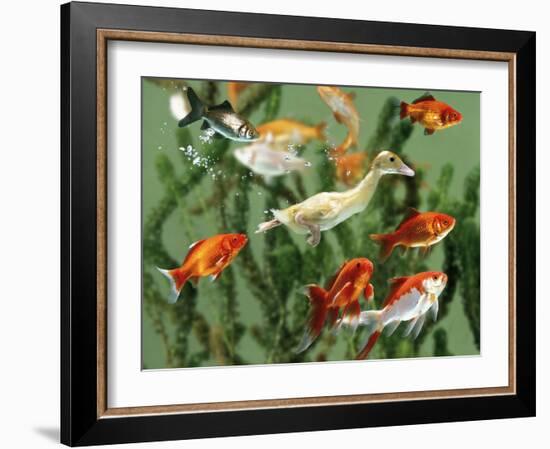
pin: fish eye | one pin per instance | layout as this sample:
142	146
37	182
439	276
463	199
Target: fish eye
435	278
392	159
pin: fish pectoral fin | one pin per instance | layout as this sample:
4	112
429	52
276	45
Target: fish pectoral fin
418	326
342	294
428	131
410	327
222	260
434	309
215	275
391	327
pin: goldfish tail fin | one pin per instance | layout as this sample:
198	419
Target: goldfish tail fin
321	129
403	110
371	320
317	316
177	280
197	109
387	244
341	149
364	353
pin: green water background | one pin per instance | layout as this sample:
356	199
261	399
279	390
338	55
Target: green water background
459	145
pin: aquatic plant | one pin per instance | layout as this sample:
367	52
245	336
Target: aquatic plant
216	188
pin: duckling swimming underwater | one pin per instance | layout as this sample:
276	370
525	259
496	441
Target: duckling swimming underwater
325	210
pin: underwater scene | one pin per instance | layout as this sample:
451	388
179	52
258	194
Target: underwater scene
287	223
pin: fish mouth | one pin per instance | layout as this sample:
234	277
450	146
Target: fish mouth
405	170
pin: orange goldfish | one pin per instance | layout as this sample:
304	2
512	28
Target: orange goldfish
410	298
289	131
341	105
341	294
430	113
207	257
234	89
417	230
350	168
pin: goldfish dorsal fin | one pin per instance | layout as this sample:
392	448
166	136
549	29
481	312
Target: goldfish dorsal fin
225	106
332	280
395	284
397	281
193	247
426	97
410	213
198	242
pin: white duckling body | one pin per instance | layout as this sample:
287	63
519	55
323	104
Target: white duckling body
326	210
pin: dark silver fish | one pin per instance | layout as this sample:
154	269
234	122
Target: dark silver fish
221	118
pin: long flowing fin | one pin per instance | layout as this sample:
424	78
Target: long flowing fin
177	279
390	328
317	316
371	320
410	327
418	326
434	309
197	109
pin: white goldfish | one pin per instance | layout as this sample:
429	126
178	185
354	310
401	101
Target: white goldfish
269	159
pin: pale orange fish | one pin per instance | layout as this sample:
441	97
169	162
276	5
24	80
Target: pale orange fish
350	168
417	230
342	106
410	299
341	295
207	257
289	131
433	115
234	89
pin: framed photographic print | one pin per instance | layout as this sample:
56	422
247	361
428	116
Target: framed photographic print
277	224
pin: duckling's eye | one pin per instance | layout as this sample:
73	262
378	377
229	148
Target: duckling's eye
392	159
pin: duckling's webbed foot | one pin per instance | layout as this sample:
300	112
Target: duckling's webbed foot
314	230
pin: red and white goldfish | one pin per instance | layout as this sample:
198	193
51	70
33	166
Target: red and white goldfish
417	230
289	131
341	105
207	257
340	296
430	113
350	168
234	89
410	299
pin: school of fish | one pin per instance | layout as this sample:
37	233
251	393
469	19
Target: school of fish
269	152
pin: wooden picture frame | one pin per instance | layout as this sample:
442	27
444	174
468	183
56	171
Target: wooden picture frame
85	416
